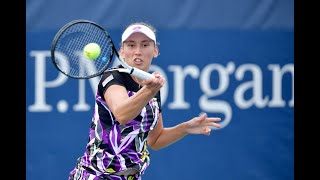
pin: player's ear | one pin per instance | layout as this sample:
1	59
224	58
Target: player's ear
121	52
156	52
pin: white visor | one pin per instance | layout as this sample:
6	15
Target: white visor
141	29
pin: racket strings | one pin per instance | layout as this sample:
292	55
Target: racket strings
69	50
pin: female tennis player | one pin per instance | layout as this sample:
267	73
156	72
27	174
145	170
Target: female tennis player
127	116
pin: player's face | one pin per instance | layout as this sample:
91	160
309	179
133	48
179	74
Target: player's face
138	51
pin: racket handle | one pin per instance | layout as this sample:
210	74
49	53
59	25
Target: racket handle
141	74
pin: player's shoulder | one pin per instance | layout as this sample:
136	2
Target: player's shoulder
114	71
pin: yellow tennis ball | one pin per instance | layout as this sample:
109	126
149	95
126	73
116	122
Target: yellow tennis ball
91	51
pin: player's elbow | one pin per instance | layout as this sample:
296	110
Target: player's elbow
123	116
122	119
153	146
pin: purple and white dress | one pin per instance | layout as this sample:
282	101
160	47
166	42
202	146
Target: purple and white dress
111	147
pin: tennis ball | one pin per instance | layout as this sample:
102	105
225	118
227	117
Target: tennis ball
91	51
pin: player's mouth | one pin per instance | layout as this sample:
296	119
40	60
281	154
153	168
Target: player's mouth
138	61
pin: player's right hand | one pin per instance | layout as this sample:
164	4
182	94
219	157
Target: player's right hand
154	84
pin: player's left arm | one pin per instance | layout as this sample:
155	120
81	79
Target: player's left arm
161	137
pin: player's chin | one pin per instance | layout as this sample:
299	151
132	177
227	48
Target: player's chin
142	67
138	64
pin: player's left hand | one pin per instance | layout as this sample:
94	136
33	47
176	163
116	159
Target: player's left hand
202	124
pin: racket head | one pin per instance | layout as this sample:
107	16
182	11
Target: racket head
67	49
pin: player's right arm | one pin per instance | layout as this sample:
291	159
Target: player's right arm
126	108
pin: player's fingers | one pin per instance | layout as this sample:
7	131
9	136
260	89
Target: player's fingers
213	119
154	84
202	118
212	124
207	131
146	82
156	74
159	81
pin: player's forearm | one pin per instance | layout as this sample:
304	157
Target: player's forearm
131	107
169	136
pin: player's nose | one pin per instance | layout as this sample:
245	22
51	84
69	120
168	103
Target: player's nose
138	50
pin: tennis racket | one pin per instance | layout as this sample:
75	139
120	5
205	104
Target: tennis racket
67	51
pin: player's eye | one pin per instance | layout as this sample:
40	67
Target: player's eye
131	45
146	44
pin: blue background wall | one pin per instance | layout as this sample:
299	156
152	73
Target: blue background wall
238	61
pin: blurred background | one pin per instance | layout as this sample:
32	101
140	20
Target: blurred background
230	59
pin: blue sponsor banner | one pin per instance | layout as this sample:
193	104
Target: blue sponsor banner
244	77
